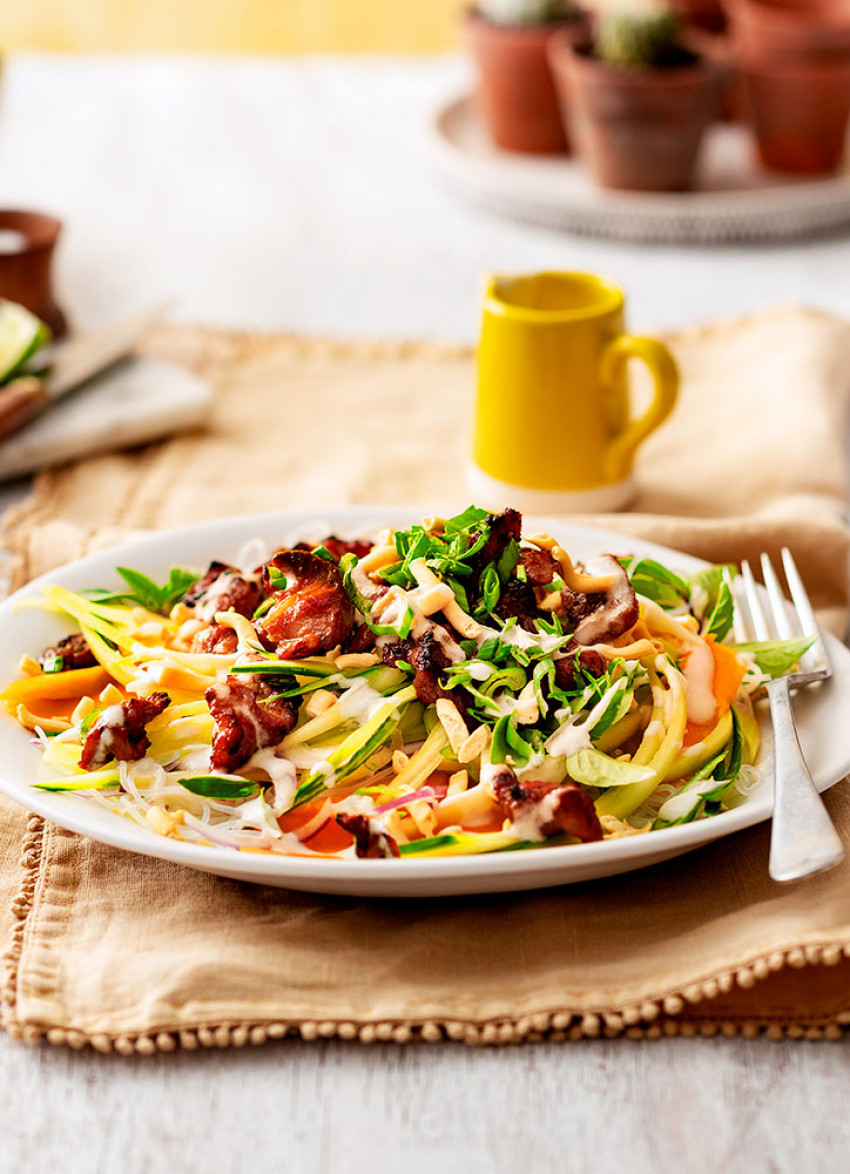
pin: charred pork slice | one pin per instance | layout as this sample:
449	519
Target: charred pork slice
538	810
223	588
428	660
73	652
519	601
120	733
337	547
310	612
372	841
246	720
503	528
215	639
602	616
565	666
540	568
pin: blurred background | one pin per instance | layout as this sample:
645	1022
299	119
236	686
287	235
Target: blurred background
269	164
237	26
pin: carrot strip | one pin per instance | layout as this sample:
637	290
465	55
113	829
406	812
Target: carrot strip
74	683
728	673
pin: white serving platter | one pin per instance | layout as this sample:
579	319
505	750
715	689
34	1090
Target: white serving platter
821	712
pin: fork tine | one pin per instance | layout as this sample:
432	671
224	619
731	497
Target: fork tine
805	611
778	605
760	624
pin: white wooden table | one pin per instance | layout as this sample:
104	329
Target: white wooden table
282	194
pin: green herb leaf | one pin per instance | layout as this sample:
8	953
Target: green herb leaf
508	742
145	592
507	560
654	581
720	619
143	589
710	581
346	565
219	786
471	516
277	579
776	657
491	587
460	594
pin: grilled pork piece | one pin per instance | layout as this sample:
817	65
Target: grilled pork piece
73	651
119	731
246	720
602	616
372	841
223	588
538	810
216	638
311	612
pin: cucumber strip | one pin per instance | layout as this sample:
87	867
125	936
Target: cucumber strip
96	780
467	844
357	747
281	668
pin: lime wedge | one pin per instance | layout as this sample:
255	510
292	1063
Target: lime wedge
21	335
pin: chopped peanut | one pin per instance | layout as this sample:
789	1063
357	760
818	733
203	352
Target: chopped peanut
356	660
458	782
476	805
318	702
180	613
452	723
431	599
395	822
50	725
29	667
423	816
380	556
400	761
475	744
163	822
82	710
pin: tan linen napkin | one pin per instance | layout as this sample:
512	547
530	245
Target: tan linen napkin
135	954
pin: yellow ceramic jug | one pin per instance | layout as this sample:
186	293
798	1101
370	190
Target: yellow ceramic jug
553	429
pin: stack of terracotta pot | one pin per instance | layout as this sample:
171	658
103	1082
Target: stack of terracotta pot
794	59
541	86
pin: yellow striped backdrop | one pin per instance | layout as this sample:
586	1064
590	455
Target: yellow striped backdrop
248	26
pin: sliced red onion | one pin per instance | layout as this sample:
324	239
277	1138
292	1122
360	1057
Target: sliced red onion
402	800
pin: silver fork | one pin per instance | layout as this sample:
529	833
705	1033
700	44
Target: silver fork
803	839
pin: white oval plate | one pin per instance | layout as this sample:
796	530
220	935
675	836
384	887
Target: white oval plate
821	715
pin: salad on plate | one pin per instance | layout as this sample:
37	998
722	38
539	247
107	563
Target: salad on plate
452	688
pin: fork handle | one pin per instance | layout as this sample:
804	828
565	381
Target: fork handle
803	839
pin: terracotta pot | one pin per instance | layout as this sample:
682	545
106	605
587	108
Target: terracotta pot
640	129
718	47
799	113
516	93
701	14
791	30
25	275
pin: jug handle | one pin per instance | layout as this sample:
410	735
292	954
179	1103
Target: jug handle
665	378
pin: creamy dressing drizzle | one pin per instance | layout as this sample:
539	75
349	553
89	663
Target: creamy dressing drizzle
568	740
359	700
281	771
698	670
